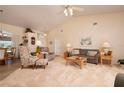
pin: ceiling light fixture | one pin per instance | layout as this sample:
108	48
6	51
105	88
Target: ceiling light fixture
68	11
45	34
71	11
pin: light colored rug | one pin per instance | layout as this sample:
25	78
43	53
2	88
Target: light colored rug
58	74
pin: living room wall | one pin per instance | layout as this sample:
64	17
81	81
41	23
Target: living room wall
100	28
17	33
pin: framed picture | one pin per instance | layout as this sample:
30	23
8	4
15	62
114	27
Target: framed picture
86	41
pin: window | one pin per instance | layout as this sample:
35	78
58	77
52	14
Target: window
5	40
6	44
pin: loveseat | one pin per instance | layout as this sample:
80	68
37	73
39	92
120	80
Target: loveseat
92	55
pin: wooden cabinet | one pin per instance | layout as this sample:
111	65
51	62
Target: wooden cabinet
31	41
106	58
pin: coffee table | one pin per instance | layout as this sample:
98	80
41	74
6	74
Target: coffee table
78	60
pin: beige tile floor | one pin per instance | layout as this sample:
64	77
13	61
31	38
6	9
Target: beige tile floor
57	74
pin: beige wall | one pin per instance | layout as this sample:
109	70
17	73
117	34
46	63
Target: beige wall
17	33
110	28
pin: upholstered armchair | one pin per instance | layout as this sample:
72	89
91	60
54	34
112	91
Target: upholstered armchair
43	60
26	57
12	55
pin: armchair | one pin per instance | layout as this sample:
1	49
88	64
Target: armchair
43	60
12	55
26	58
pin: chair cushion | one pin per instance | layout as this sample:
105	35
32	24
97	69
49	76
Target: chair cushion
40	55
44	49
41	61
83	52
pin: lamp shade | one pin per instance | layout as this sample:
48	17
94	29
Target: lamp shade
38	43
68	45
106	45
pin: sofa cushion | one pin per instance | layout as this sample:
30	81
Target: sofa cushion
91	53
83	52
44	49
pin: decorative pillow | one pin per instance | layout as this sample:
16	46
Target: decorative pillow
75	51
41	55
92	53
44	49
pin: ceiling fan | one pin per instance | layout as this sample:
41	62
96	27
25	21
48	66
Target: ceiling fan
69	10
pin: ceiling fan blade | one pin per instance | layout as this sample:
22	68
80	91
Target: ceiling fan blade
78	9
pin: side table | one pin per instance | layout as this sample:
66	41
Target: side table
107	58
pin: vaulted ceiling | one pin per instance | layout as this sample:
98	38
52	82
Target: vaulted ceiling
46	17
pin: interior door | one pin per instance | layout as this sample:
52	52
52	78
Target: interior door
58	48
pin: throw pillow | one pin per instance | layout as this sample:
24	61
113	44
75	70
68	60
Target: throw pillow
92	53
41	55
75	51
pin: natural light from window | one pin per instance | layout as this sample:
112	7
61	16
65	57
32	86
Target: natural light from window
4	42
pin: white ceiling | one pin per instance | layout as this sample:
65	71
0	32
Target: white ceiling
46	17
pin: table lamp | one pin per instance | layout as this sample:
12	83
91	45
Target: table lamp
68	45
106	47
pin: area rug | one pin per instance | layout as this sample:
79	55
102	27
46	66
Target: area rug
57	74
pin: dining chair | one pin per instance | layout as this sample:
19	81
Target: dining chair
12	55
26	58
3	55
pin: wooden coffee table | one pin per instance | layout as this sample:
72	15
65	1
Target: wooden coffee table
78	60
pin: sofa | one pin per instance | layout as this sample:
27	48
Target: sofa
92	55
51	55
